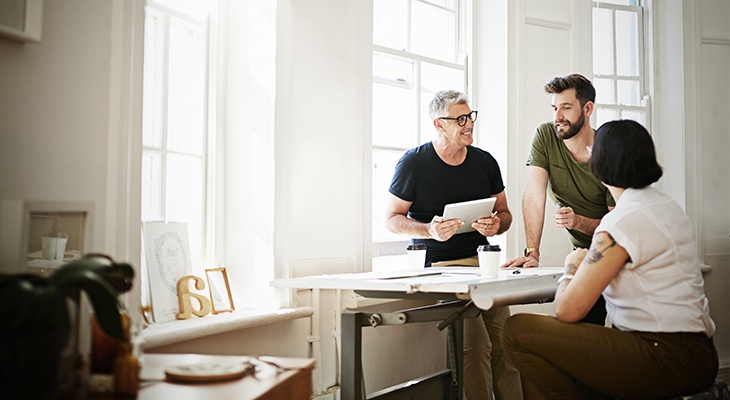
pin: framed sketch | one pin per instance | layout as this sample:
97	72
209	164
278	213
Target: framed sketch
220	290
21	19
167	259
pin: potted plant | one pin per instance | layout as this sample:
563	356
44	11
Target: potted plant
40	324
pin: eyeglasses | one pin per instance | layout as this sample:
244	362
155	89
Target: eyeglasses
461	119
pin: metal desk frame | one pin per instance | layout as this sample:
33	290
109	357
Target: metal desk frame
455	287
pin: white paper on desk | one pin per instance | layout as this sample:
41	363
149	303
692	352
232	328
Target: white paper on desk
432	271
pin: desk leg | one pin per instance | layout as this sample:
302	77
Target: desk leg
352	385
455	351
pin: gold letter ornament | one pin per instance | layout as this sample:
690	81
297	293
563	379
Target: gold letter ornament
184	298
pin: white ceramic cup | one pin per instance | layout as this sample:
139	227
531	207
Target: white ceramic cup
416	256
488	260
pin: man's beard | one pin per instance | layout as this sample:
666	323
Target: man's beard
573	128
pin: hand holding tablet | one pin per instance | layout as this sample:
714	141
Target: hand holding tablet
469	211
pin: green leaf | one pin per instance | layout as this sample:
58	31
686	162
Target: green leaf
29	302
102	295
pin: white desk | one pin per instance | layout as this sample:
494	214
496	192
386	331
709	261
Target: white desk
442	283
453	286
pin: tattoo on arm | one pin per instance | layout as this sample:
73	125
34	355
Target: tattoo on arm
596	254
571	268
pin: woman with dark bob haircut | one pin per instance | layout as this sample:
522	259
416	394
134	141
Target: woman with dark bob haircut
643	259
623	155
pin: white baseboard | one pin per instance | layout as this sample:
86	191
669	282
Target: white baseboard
332	393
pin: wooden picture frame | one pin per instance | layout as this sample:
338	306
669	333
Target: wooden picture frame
220	290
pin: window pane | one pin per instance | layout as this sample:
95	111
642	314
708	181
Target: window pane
389	23
186	97
152	98
152	186
184	198
392	69
621	2
393	116
435	78
602	42
628	93
604	91
638	116
426	127
627	51
433	32
605	114
384	162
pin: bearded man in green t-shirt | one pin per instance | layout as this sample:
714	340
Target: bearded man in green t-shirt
558	165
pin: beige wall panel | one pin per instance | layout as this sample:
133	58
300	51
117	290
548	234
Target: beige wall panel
547	55
558	11
715	17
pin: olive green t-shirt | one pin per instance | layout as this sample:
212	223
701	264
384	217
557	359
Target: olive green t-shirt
570	183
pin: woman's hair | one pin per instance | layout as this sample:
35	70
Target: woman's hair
584	90
623	155
439	106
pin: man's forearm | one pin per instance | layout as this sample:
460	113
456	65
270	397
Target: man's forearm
402	225
534	216
585	224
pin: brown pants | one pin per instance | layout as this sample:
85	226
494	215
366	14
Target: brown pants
585	361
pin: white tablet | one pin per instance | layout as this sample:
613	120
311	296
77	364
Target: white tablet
469	211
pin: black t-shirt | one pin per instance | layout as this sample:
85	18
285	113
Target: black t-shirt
422	178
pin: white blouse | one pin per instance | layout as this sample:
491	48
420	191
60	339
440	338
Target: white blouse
661	289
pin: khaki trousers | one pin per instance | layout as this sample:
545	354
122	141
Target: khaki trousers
487	370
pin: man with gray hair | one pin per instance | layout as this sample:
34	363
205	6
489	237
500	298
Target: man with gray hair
450	170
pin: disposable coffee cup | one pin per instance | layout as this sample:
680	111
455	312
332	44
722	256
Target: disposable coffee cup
416	256
488	255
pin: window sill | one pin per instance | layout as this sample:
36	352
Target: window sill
165	333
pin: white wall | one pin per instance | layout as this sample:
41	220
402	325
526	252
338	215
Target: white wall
709	171
70	110
54	117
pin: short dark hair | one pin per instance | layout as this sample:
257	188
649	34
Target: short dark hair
584	90
623	155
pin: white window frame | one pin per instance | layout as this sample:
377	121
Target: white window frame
642	77
206	246
396	246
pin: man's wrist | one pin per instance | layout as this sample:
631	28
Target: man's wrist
529	250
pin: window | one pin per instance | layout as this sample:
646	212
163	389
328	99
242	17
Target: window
618	61
419	48
176	178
